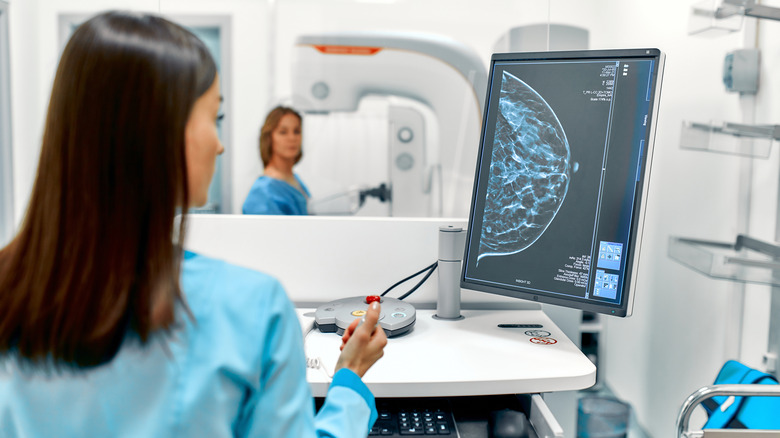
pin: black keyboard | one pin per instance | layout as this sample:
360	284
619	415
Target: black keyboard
413	416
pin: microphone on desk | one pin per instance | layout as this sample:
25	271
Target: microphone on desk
451	245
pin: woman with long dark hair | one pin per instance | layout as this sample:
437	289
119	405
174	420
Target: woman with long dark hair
107	326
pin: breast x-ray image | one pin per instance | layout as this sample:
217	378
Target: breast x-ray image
529	172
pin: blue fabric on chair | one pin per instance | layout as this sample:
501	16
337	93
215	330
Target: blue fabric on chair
731	412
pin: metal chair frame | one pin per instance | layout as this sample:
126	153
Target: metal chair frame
708	392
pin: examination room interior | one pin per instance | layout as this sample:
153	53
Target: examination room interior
685	324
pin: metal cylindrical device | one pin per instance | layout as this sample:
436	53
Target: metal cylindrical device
451	245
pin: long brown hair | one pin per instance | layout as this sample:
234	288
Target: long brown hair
271	122
95	254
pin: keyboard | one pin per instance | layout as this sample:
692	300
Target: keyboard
413	416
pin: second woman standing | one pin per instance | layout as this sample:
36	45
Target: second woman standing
279	190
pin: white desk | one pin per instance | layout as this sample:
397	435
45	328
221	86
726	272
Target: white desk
318	259
472	356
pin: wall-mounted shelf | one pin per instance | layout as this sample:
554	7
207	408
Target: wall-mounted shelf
747	260
730	138
749	8
705	20
713	17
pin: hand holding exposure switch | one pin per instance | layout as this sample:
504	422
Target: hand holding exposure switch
363	343
396	318
356	322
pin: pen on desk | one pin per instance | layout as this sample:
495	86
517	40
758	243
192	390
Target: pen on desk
520	325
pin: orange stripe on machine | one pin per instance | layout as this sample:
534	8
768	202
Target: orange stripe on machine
346	50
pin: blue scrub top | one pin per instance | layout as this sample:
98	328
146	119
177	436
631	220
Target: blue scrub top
273	196
237	370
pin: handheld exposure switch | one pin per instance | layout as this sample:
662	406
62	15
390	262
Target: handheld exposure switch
396	317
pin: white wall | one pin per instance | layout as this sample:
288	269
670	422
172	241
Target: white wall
684	324
767	177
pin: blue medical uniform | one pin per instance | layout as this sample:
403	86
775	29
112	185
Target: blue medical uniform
274	196
237	370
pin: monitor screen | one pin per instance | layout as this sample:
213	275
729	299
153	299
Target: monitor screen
561	180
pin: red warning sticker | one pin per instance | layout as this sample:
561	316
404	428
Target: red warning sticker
543	341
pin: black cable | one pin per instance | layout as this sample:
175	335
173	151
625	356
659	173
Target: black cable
432	266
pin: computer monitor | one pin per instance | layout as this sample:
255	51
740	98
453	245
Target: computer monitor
562	175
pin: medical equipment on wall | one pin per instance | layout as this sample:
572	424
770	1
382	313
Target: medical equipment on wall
433	125
349	201
741	70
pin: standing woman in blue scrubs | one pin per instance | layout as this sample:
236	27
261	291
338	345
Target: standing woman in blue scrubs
279	190
107	326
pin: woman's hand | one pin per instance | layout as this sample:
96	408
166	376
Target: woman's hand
362	344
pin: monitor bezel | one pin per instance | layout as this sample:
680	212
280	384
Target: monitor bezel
625	308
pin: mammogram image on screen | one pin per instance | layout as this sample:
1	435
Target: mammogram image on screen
529	172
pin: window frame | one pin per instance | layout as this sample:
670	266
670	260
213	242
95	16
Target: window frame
6	146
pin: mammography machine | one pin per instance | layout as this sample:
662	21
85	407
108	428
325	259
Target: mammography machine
438	88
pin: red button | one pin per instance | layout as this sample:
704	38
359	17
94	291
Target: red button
371	298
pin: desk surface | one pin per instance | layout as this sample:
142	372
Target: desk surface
471	356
